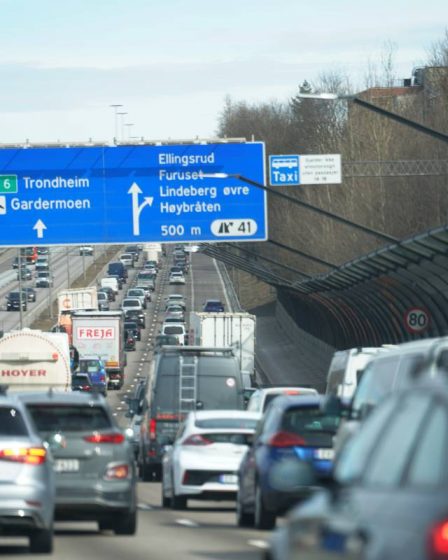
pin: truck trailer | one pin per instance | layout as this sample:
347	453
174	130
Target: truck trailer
101	333
34	360
234	330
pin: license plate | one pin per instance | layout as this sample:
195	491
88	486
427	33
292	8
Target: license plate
325	454
66	465
228	479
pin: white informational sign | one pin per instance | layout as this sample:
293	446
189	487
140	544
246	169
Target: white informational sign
320	169
416	320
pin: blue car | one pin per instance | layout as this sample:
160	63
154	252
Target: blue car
213	306
96	370
292	431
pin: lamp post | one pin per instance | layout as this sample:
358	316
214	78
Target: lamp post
115	107
293	200
376	109
122	114
129	126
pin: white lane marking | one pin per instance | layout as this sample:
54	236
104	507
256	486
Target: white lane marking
223	285
128	391
119	408
187	523
114	413
144	507
259	544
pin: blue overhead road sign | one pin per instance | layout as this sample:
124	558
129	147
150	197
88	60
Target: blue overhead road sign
58	196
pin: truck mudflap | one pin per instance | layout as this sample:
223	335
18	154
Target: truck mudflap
115	379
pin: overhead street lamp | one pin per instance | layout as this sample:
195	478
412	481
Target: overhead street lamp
129	125
376	109
293	200
122	114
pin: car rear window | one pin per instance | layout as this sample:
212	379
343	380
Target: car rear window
236	438
271	396
11	422
69	418
226	423
173	329
309	422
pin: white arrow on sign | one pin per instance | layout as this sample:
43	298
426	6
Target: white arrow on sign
135	190
39	226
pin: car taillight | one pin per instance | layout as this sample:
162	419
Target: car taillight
114	438
196	439
102	378
27	455
86	388
285	439
117	472
152	428
438	541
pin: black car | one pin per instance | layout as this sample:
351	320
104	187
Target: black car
135	315
165	340
81	382
388	497
109	292
13	301
30	294
134	328
117	268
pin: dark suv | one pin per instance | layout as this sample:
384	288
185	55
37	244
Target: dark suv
13	301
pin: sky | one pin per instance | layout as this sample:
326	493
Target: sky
171	63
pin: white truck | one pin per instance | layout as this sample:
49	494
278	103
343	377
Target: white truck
78	298
101	333
235	330
33	360
152	252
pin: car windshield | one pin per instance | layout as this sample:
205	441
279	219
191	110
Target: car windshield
69	418
11	422
90	366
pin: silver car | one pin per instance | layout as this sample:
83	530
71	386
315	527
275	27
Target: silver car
27	490
94	461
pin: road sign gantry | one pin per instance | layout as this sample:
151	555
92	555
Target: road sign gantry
135	193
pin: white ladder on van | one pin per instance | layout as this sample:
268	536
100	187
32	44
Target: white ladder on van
187	386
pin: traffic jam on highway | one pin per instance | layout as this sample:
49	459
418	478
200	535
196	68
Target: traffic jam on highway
141	413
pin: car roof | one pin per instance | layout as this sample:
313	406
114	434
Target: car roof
298	401
208	414
56	397
282	390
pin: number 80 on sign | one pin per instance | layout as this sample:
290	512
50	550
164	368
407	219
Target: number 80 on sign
416	320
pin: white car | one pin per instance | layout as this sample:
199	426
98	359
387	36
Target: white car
86	250
204	459
260	398
177	278
178	299
131	303
127	259
138	293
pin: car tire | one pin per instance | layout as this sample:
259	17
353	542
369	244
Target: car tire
166	502
178	503
243	519
264	519
126	524
41	541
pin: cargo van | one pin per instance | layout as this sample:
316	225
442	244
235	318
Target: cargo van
185	378
109	282
394	369
346	368
118	268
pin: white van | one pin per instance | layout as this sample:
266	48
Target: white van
345	370
175	329
110	283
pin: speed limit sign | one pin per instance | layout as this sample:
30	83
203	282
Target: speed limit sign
416	320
